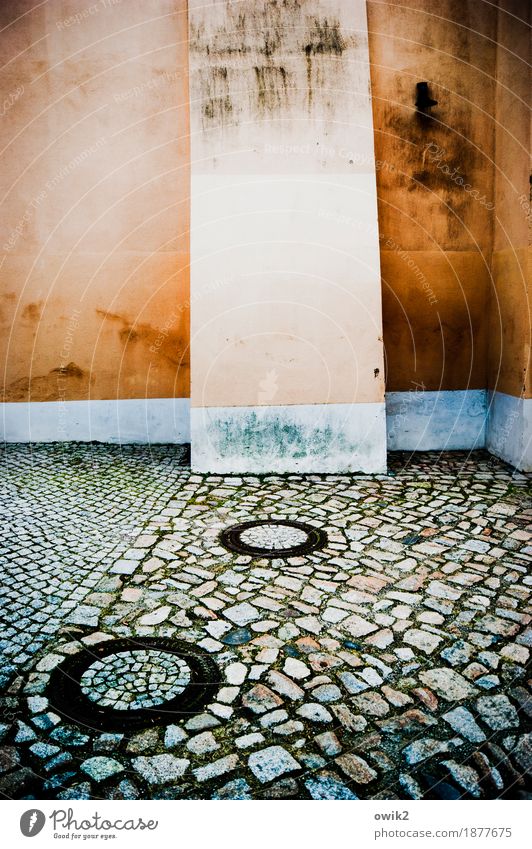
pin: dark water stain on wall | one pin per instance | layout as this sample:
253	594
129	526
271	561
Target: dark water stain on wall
324	37
428	153
277	36
172	345
272	87
61	383
217	105
32	312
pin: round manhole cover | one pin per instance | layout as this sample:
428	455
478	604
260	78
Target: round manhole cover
132	683
273	538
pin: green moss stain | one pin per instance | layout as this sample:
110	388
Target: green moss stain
269	437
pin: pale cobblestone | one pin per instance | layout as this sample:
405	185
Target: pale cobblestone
414	620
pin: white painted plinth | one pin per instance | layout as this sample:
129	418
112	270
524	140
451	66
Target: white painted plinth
299	438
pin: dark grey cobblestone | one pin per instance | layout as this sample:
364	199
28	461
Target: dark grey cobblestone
394	663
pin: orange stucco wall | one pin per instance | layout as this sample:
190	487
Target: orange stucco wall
435	187
94	198
94	188
510	326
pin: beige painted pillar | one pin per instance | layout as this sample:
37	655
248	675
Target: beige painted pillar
286	329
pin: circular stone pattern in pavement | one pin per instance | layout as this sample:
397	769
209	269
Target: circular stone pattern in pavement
129	680
131	683
273	538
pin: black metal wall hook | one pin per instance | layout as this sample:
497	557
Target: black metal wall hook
423	99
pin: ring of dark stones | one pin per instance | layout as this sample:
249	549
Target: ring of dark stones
66	697
231	538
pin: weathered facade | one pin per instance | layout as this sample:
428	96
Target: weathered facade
287	355
454	219
305	308
95	223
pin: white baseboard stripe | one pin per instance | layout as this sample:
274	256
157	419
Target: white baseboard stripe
509	434
143	420
310	438
436	421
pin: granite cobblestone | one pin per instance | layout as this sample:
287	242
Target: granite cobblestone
393	663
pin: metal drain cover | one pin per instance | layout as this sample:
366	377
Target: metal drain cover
132	683
273	538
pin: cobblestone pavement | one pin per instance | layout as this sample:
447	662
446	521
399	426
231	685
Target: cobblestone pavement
391	663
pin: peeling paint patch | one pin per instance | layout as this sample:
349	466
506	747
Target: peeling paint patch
172	345
59	382
128	334
217	105
70	370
